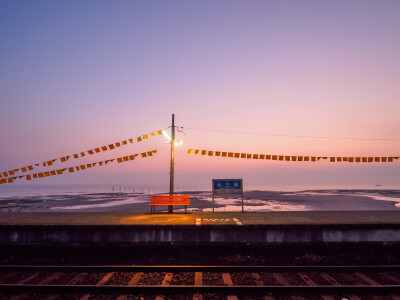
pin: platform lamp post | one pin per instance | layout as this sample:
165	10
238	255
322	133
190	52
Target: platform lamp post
171	173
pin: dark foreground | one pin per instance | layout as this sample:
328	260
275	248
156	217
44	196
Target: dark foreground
239	272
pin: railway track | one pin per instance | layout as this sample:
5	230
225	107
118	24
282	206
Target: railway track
200	282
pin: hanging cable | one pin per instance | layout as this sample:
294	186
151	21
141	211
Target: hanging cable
293	136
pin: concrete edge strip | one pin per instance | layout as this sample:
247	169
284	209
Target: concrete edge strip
237	221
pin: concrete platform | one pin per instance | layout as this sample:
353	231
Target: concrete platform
223	227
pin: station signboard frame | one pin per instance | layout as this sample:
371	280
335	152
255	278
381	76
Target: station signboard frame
227	187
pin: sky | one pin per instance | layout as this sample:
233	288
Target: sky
80	74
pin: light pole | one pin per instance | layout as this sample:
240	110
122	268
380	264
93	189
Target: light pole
171	173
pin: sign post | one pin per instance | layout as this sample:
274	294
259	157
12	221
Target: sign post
227	186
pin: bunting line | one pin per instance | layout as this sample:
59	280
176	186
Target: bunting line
369	159
78	168
49	163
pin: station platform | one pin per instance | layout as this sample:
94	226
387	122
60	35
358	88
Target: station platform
80	228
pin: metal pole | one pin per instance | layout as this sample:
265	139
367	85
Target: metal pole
171	174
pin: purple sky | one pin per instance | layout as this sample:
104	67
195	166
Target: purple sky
80	74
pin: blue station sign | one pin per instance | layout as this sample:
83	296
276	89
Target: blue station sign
227	186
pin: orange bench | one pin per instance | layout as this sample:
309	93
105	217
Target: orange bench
169	200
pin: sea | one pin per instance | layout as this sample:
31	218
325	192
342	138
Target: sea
122	197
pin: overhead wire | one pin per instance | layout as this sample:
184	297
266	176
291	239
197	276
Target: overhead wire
293	136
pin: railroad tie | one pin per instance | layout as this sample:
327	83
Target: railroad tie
311	282
373	282
134	281
166	281
198	281
259	282
228	281
25	280
101	282
283	281
74	280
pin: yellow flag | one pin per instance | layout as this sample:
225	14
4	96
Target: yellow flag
313	158
149	153
118	144
287	158
71	170
76	156
332	159
24	169
210	153
243	155
59	172
230	154
53	173
28	177
364	159
390	159
10	180
255	156
144	154
91	152
124	142
111	146
237	155
131	141
11	172
63	159
104	148
190	151
88	166
131	157
306	158
97	150
35	175
339	159
370	159
119	160
300	158
384	159
358	159
82	154
47	174
262	156
351	159
294	158
126	158
274	157
100	163
224	154
83	167
139	139
159	132
248	156
217	153
153	134
281	157
145	136
197	151
268	157
203	152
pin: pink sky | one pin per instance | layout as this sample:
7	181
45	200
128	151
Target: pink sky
78	75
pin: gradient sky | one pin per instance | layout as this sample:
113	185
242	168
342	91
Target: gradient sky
79	74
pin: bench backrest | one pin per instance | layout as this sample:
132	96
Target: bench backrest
170	200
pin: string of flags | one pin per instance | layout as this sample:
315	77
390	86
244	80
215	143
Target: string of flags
363	159
80	154
78	168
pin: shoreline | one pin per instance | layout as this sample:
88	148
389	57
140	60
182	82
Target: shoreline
256	200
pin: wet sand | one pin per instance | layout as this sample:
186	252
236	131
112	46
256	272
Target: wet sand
316	200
